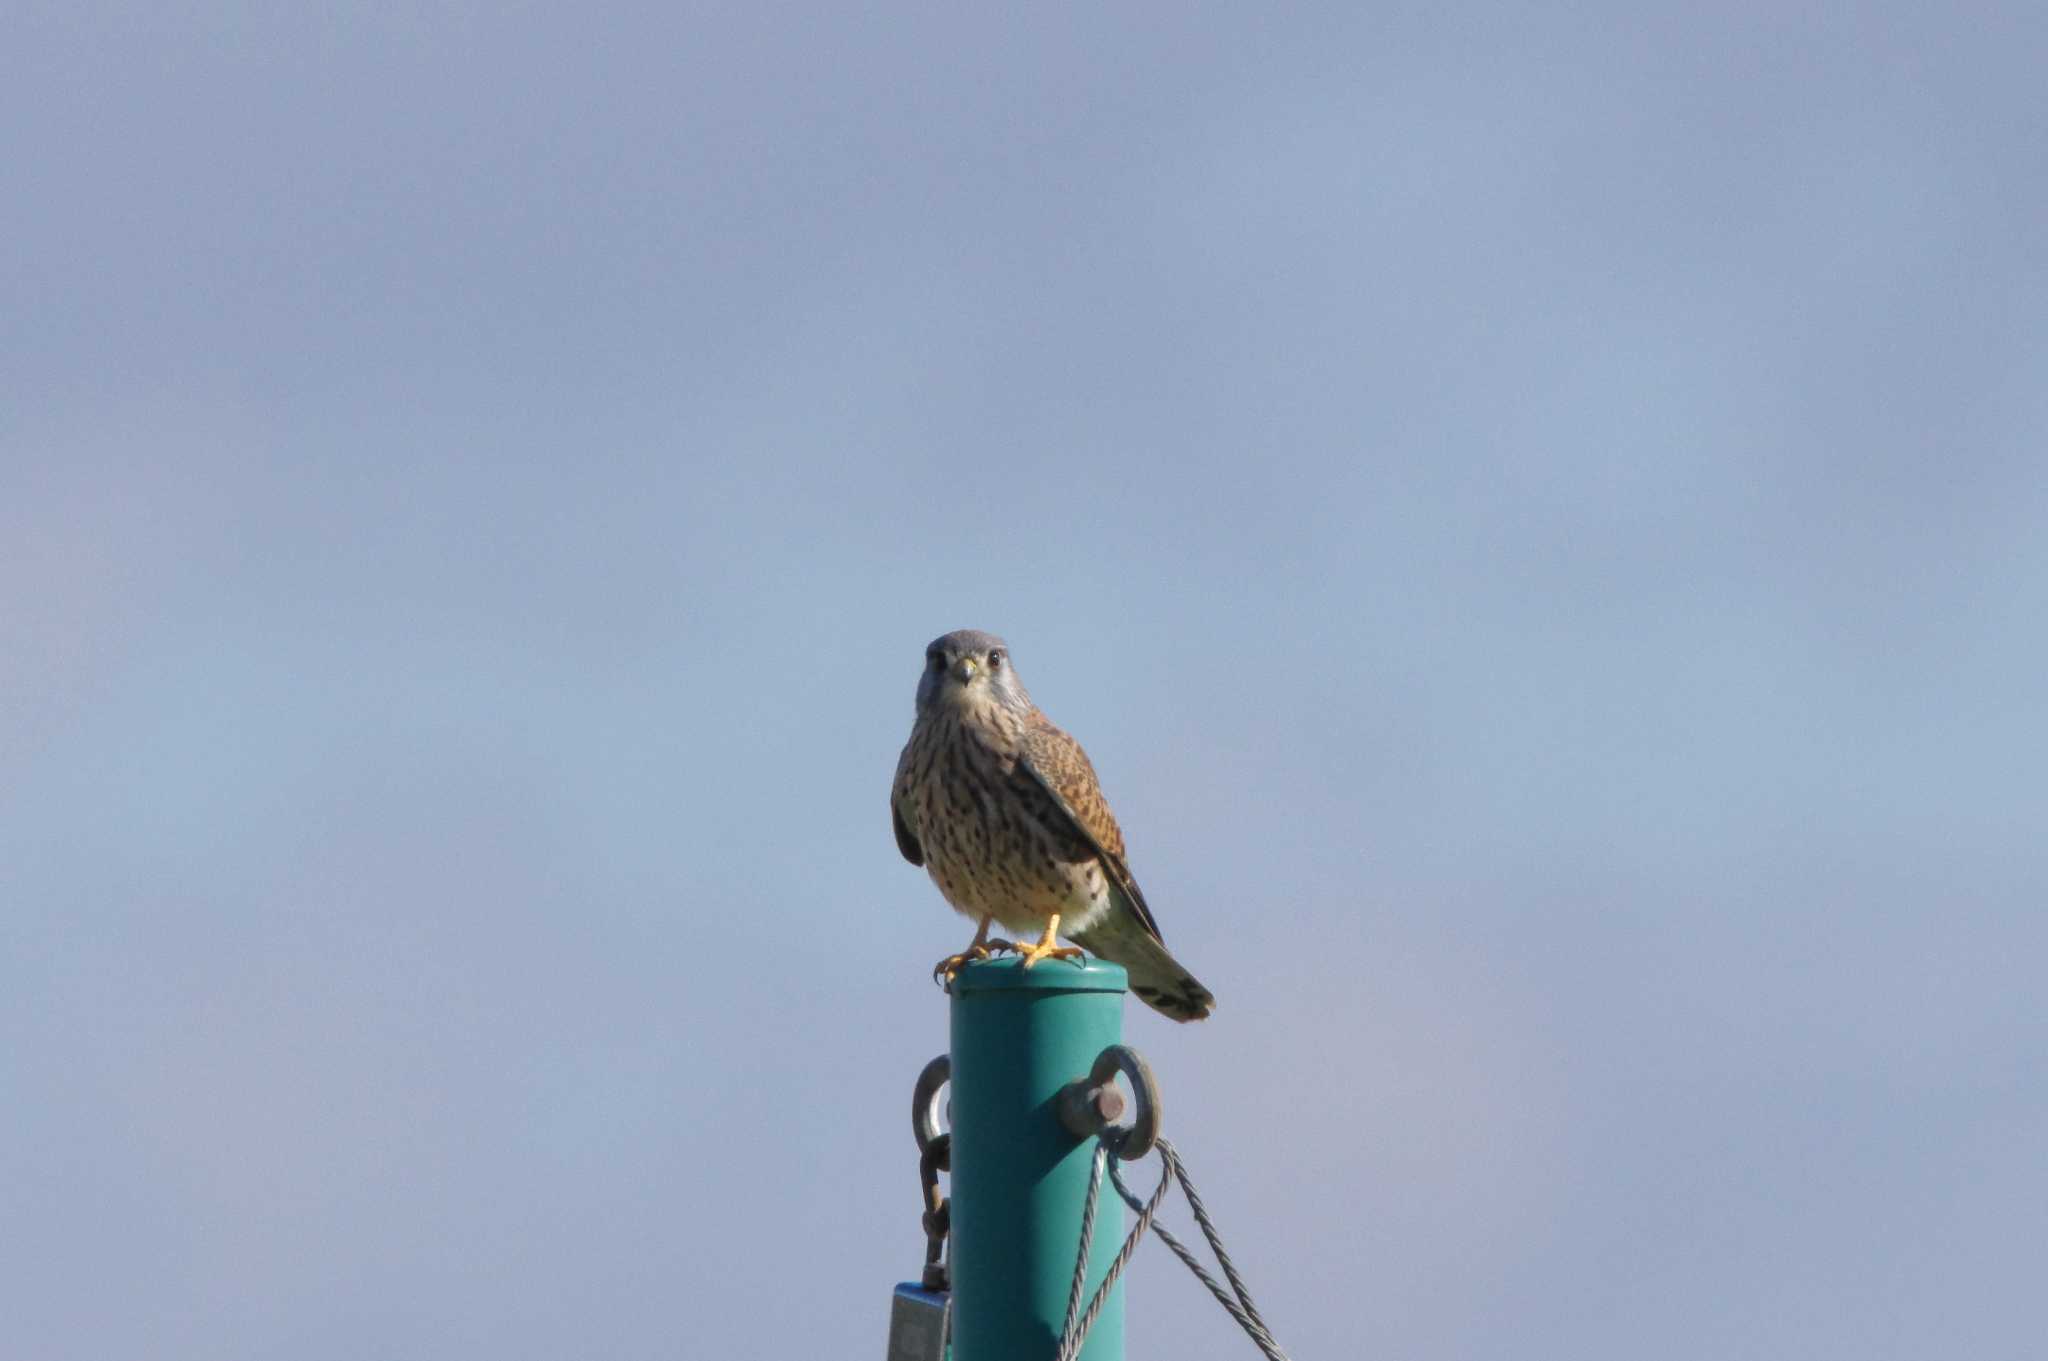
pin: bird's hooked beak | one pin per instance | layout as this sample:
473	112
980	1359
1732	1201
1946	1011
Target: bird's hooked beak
964	669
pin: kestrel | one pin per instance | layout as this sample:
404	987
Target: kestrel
1003	811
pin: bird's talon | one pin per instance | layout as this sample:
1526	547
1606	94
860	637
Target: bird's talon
946	969
1035	953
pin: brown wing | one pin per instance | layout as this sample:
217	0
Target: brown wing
1056	764
906	840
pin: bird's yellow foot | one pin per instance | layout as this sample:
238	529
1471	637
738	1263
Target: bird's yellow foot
945	969
1049	948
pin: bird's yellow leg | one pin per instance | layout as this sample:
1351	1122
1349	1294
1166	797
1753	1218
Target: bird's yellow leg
981	947
1050	947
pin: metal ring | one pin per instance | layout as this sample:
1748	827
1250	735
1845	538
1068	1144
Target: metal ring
924	1101
1136	1141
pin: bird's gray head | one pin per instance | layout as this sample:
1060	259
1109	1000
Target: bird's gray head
968	668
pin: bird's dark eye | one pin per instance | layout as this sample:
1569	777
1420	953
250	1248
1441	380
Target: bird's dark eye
937	661
995	659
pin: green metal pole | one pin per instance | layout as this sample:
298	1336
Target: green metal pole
1018	1177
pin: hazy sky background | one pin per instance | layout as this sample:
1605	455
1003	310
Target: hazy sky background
1540	517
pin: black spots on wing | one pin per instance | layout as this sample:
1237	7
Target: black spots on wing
1055	829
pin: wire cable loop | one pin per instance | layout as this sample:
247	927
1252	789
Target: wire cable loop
1079	1321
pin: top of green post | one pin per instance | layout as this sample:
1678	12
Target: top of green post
1008	974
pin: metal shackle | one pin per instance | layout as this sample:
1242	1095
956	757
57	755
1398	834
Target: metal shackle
1092	1105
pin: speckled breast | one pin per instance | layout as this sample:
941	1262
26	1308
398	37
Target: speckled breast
991	850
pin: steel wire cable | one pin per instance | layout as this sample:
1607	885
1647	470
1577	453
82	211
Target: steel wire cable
1172	1169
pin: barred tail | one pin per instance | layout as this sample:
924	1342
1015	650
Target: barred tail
1156	976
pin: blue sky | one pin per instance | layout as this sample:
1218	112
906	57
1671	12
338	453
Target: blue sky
1538	516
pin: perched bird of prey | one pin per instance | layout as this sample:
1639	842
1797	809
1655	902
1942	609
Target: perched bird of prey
1002	809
